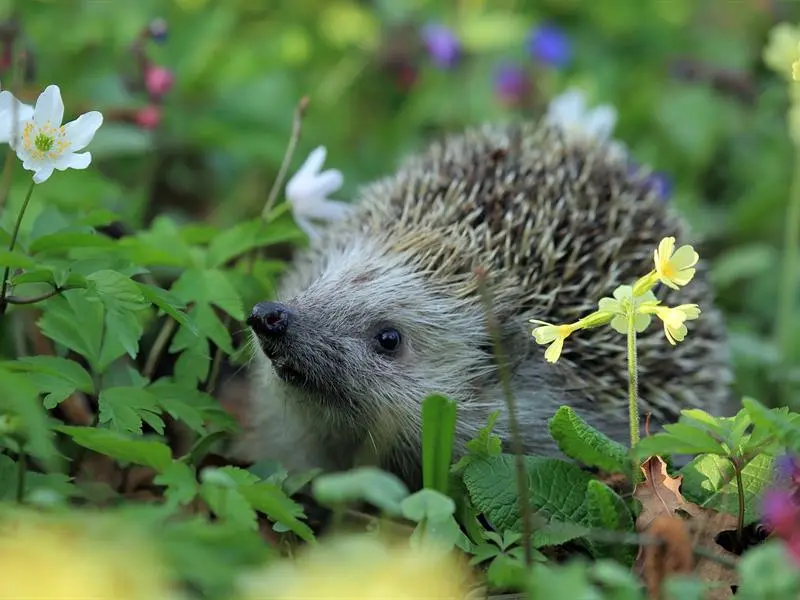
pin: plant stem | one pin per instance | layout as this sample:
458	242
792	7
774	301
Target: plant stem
41	297
784	327
740	490
516	439
158	347
12	243
633	380
287	157
22	467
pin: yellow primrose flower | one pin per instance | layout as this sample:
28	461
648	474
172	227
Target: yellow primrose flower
781	49
50	557
674	319
674	267
620	304
361	566
553	335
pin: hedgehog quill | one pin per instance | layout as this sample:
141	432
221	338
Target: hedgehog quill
384	308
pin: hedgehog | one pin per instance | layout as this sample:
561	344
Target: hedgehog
385	308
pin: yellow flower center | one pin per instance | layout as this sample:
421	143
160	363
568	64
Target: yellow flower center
668	269
43	142
564	330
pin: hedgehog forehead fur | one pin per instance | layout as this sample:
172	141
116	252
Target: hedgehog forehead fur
557	223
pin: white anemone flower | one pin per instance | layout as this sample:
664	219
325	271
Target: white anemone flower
11	108
308	192
569	112
44	144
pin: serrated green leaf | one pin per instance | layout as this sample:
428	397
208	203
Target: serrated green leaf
53	368
557	490
120	446
679	438
710	481
170	304
608	511
181	483
19	397
582	442
379	488
556	533
193	365
273	502
209	287
438	433
125	408
228	504
117	291
784	425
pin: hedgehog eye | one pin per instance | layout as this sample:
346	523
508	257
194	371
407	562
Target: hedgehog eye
388	341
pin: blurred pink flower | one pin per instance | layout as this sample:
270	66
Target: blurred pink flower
158	81
149	117
781	512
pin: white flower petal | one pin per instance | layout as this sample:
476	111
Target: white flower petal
306	226
567	109
10	107
49	107
326	183
43	174
72	161
599	122
328	210
80	132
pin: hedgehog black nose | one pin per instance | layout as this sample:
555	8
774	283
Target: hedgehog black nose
269	318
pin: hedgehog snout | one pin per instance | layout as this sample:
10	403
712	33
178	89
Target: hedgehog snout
270	320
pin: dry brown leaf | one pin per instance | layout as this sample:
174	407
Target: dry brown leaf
675	556
661	498
659	493
703	529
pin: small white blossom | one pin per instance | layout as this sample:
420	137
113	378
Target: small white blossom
308	191
44	144
569	112
10	108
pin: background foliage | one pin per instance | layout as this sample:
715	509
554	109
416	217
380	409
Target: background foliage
188	174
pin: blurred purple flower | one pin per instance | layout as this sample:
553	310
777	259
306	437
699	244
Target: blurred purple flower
550	45
781	512
510	82
158	30
787	468
661	183
442	45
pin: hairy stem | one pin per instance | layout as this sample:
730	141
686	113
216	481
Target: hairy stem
160	343
633	380
784	326
516	439
11	245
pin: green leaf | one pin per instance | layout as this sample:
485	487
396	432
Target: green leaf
193	364
427	504
169	303
709	481
679	438
556	533
244	237
557	490
64	242
16	260
121	447
784	425
53	376
19	397
438	433
209	287
766	571
579	440
203	446
181	483
220	490
273	502
125	408
608	511
379	488
117	291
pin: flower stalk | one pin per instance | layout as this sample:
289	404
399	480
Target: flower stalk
11	245
633	379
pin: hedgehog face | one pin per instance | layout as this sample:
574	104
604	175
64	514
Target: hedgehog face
368	335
